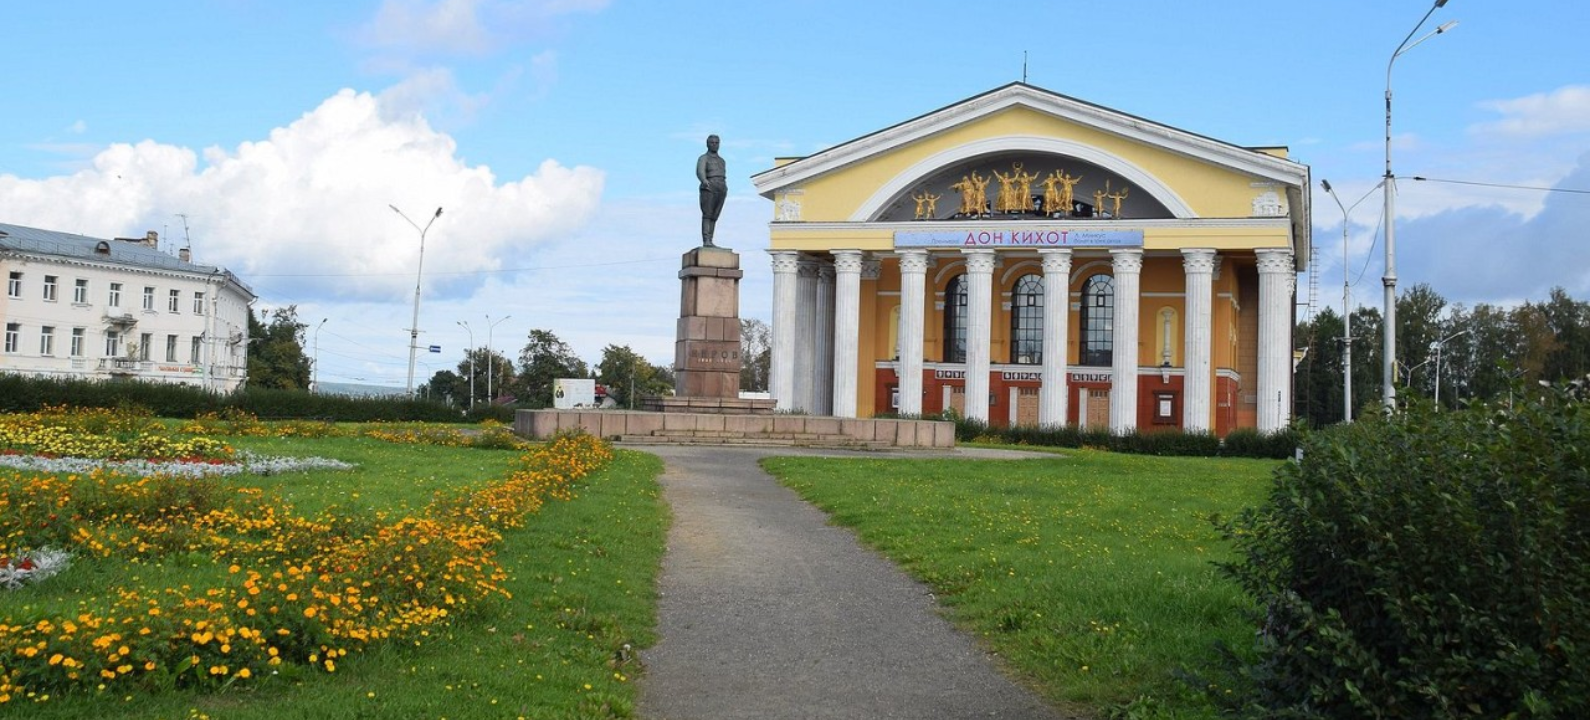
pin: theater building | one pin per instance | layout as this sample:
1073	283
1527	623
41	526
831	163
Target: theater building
1028	258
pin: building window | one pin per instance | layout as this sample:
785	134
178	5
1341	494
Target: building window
198	303
77	342
49	287
47	340
198	345
1098	319
173	301
171	348
13	336
1026	321
144	341
112	343
115	295
14	285
80	292
149	298
955	320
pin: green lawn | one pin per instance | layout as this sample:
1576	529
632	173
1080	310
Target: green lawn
1090	572
583	583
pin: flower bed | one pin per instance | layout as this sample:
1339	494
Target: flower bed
299	592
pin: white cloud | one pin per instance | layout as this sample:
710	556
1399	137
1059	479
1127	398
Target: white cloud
77	128
1563	111
304	213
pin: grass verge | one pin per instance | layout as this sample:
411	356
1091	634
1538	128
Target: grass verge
582	577
1090	573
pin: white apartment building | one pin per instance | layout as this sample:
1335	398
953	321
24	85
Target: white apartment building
77	306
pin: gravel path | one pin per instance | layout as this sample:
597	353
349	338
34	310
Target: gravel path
768	612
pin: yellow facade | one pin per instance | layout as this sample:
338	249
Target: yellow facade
1180	195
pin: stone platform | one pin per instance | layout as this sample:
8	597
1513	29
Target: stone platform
636	427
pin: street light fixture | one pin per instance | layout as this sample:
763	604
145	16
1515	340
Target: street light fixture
414	326
1438	346
471	332
316	379
1347	309
491	363
1388	360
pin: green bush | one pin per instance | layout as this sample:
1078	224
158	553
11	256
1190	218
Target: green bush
19	393
1430	565
1248	442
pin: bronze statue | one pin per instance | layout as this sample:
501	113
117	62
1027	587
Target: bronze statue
713	174
926	205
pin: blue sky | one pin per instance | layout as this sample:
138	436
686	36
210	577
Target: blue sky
560	137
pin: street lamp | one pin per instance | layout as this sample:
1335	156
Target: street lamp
316	379
1388	359
1347	310
471	332
491	363
1438	346
414	326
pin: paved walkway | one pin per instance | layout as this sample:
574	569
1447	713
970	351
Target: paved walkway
768	612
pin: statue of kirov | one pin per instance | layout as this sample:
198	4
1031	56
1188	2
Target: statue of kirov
712	172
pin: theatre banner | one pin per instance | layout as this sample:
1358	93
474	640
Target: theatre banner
1024	237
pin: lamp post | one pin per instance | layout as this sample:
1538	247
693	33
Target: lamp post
1347	309
491	363
1388	360
1438	346
414	326
471	332
315	379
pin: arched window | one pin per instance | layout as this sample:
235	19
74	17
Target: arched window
955	320
1026	321
1098	319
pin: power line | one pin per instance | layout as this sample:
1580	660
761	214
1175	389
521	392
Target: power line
1504	185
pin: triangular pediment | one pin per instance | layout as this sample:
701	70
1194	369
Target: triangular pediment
1260	165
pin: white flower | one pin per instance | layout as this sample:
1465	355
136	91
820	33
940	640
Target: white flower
33	566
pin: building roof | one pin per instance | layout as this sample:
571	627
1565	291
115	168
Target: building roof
36	241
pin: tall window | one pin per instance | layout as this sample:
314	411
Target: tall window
144	341
47	340
112	343
198	303
14	285
197	349
13	336
1098	318
171	348
149	297
77	341
80	292
1026	321
49	287
955	320
115	295
173	301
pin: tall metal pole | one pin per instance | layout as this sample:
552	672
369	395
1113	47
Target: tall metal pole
471	332
1347	310
1440	346
316	379
491	362
1388	361
414	326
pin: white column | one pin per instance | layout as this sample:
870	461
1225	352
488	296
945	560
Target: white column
823	350
979	329
913	316
1128	267
782	381
1053	395
847	331
1276	278
1197	390
805	334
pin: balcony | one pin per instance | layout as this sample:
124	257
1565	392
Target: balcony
122	366
117	318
